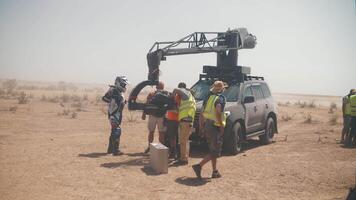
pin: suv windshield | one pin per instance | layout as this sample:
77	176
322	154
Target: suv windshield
202	88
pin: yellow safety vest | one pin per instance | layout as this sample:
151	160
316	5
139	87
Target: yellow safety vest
187	108
210	110
353	105
347	106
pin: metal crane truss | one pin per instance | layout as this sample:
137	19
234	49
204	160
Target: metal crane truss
224	44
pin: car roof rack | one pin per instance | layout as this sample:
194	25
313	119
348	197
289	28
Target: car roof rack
250	78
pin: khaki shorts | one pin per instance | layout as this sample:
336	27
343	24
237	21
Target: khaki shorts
213	138
156	121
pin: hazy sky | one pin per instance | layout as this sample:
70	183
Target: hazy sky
303	46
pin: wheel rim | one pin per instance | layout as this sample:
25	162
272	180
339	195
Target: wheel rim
238	140
270	130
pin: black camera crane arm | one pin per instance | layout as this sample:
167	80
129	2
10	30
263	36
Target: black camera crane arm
225	44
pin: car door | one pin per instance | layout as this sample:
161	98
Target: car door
260	110
250	110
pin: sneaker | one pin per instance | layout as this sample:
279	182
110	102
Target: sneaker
181	162
197	170
216	174
147	150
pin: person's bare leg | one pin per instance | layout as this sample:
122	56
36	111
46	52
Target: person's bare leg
150	137
214	160
206	159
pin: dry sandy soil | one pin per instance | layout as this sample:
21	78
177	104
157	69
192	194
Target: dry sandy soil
47	154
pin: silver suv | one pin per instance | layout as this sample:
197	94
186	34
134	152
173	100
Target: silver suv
250	108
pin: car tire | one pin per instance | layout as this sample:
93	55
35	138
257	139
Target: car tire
235	140
267	137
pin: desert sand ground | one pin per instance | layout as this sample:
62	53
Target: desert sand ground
47	152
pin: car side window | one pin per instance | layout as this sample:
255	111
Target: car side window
257	91
247	92
265	90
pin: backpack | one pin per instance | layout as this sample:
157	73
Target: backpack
163	100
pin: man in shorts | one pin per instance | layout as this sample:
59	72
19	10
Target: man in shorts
213	121
156	119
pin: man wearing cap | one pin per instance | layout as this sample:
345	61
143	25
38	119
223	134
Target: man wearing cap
186	113
213	120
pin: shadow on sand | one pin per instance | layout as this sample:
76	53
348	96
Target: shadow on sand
199	151
149	171
189	181
133	162
93	155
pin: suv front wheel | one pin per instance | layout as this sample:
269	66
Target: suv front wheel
234	141
269	132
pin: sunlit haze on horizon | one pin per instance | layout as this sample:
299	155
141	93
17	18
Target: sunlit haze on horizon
302	46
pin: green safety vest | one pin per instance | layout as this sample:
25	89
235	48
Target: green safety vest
353	105
187	108
347	106
210	110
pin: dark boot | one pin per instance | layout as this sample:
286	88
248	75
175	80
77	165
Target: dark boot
116	151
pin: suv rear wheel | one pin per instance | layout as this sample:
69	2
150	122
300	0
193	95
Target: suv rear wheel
269	132
234	142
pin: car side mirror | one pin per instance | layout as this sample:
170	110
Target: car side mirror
249	99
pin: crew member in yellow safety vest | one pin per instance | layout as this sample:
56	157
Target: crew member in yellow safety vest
186	113
352	138
212	122
346	111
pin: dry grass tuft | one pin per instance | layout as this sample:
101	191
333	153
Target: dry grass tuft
332	108
74	115
333	120
286	117
13	109
132	117
308	119
23	98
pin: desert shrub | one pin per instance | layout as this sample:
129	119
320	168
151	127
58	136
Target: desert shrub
301	104
64	112
43	98
311	104
132	117
27	87
75	97
54	99
333	120
50	87
286	117
13	109
74	115
104	110
23	98
98	98
65	98
333	105
78	105
9	85
2	92
85	97
308	119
